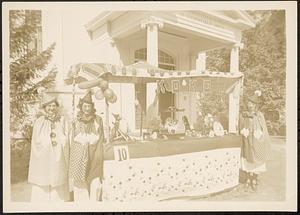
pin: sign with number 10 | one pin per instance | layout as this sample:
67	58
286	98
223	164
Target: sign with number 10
121	153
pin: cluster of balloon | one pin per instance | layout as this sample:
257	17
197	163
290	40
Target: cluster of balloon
103	92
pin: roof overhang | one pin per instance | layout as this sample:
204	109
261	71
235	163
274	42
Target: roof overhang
209	24
103	17
242	22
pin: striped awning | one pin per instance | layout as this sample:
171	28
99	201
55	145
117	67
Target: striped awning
137	72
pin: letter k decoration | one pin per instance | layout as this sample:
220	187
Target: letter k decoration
161	86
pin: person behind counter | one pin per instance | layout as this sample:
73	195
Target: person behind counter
218	128
86	155
212	126
256	141
49	154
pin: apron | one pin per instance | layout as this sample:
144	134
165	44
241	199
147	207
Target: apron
256	146
86	155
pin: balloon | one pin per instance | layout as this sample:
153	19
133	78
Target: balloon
103	84
99	94
89	84
108	93
113	99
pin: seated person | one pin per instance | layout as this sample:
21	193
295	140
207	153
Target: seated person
218	128
213	126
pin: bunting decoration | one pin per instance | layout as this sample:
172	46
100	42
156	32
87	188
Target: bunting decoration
168	80
145	70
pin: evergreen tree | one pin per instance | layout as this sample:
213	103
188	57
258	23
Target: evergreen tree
28	63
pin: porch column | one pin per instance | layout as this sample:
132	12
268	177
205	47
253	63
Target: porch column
234	96
152	25
201	62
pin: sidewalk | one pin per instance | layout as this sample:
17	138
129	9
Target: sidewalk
271	183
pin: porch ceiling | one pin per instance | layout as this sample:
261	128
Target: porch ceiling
172	35
197	43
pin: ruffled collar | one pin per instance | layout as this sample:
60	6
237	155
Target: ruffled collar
54	118
248	114
85	118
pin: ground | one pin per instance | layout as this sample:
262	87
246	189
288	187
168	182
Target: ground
271	183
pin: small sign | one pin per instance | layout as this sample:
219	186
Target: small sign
175	85
192	85
121	153
206	85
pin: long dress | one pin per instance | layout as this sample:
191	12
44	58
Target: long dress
256	143
49	159
86	159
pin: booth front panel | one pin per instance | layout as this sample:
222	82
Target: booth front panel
158	170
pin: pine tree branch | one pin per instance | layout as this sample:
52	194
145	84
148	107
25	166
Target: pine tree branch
32	63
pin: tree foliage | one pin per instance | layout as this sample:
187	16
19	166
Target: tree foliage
215	103
263	62
27	66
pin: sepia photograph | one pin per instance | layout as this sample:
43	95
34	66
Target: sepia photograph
149	106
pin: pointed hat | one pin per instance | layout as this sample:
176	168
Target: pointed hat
87	98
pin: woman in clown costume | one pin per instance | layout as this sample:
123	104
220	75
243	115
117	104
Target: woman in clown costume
48	166
86	154
256	141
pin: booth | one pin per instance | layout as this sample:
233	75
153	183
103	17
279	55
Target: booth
158	169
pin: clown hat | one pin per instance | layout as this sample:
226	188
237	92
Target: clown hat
48	98
255	98
86	99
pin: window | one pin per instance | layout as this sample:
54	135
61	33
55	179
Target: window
140	55
165	61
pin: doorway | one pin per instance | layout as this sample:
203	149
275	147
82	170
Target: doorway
165	100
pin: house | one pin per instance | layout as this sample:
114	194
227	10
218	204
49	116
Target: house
172	40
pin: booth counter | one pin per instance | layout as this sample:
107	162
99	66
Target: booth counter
161	169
